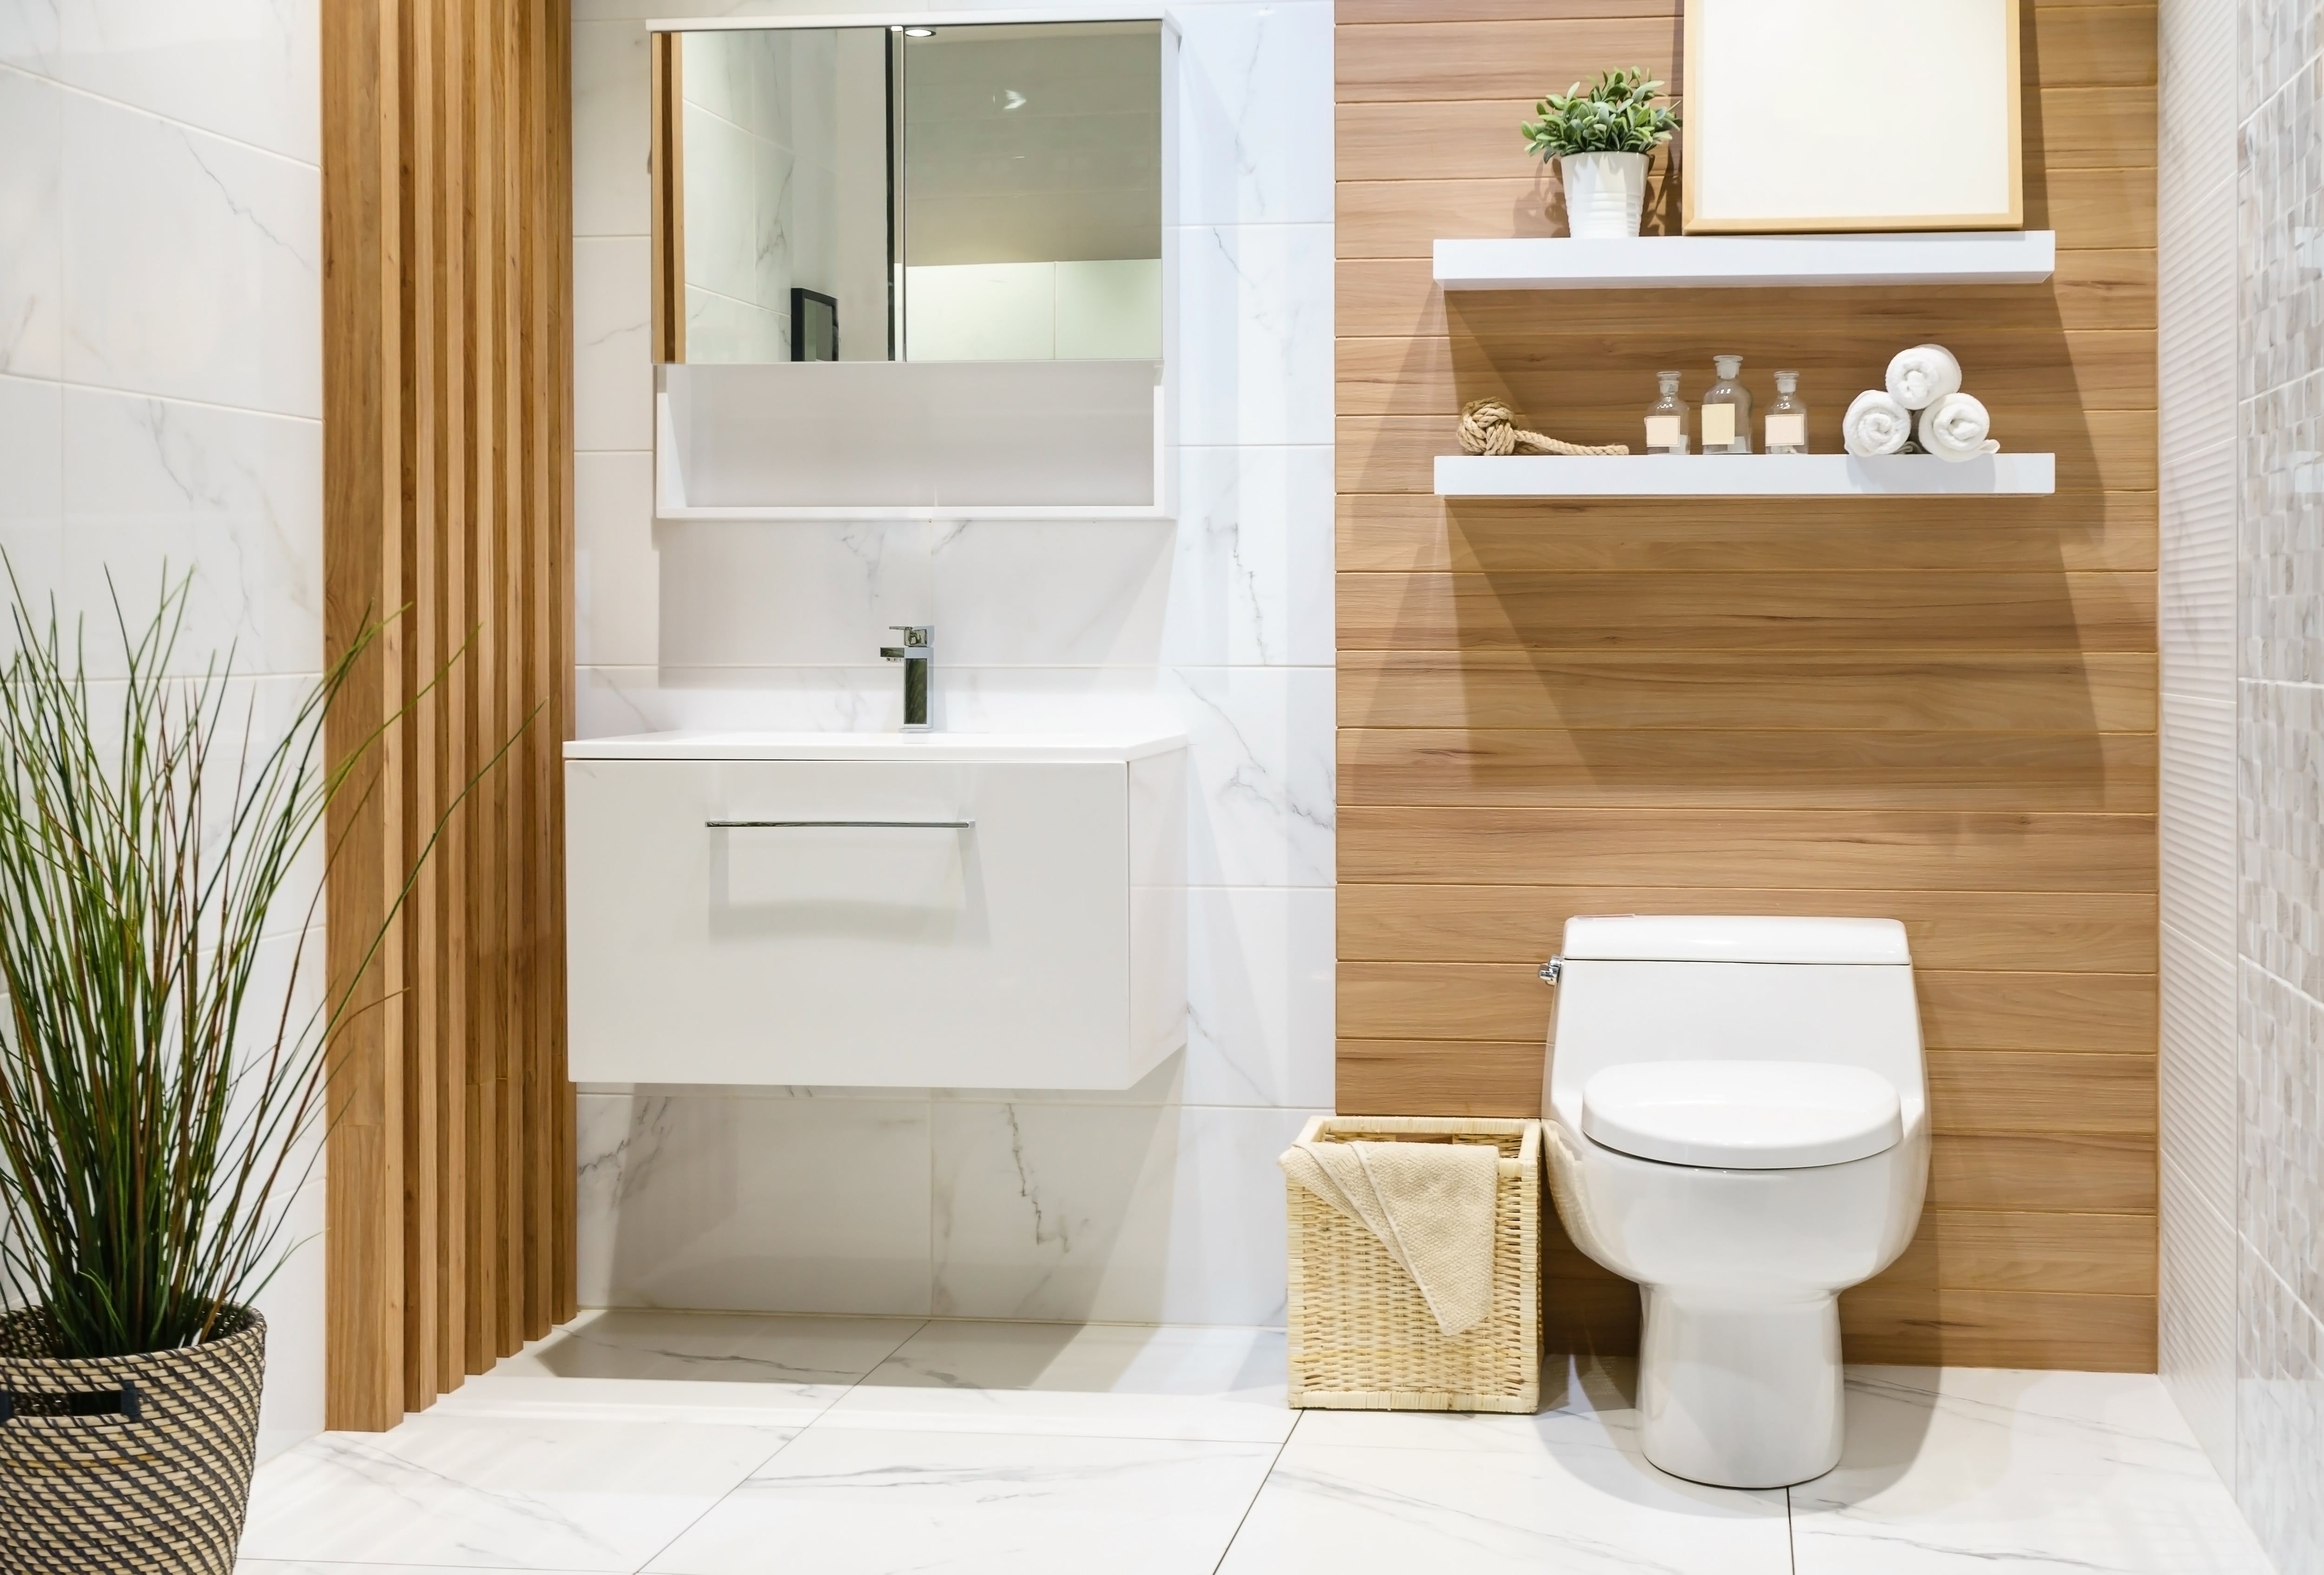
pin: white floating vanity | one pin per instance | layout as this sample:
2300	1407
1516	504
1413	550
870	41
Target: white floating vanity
946	910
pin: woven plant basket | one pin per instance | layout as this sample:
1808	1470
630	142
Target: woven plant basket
155	1482
1361	1337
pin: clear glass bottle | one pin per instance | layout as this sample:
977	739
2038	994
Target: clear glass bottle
1787	418
1726	430
1666	418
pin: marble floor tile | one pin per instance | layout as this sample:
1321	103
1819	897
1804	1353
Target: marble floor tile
1087	1380
1583	1402
484	1492
1960	1469
1578	1509
847	1502
625	1342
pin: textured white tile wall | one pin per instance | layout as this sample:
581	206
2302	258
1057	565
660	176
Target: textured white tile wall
2195	283
161	377
1160	1202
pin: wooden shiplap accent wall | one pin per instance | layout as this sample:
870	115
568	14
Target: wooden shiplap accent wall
448	490
1940	710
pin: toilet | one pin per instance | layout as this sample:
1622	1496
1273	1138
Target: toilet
1736	1117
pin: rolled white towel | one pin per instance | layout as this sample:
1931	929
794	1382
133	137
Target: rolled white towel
1955	429
1875	425
1923	375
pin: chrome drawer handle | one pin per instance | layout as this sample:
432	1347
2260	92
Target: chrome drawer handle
904	825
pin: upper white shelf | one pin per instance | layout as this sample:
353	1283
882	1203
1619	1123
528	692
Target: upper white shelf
1743	262
1742	476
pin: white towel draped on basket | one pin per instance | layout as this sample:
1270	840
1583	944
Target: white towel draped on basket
1921	375
1955	429
1876	423
1432	1206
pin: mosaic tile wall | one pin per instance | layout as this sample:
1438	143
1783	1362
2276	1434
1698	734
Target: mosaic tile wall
2279	1392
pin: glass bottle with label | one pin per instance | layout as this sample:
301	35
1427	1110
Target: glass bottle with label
1666	418
1787	418
1727	410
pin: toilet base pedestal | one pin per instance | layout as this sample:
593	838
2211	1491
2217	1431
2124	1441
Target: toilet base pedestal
1739	1394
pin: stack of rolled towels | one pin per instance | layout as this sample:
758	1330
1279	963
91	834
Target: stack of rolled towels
1923	410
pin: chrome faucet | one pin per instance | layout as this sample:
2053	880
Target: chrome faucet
918	657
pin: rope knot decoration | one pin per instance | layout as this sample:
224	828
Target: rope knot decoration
1489	426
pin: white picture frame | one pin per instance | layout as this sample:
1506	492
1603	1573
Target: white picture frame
1805	116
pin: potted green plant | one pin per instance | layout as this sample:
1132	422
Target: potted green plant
1600	136
161	1082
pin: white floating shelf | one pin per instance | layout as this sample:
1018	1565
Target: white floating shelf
1738	262
1742	476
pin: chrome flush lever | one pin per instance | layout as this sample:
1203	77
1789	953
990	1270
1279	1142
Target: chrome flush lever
1551	969
918	657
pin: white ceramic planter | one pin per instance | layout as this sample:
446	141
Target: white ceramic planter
1604	194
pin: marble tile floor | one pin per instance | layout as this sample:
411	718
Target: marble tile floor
712	1444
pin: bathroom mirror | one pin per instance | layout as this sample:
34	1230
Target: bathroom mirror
979	192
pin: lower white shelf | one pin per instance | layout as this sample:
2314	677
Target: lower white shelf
1741	476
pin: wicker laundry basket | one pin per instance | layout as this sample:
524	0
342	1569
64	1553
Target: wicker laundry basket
157	1482
1361	1337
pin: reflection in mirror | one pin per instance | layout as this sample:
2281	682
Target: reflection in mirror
956	193
1033	192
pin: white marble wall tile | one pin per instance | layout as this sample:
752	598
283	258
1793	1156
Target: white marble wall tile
754	1204
1255	322
612	373
616	571
156	487
1251	584
1260	1004
32	458
755	595
1254	82
1263	774
1119	1213
611	109
249	69
194	264
1051	594
32	234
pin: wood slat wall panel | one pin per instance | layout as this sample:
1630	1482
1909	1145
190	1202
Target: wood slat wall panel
1701	768
1976	1012
2070	128
1826	612
448	461
1400	533
1397	298
1967	691
2097	450
1940	710
2094	210
1982	932
2020	368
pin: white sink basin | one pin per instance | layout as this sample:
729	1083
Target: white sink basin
963	748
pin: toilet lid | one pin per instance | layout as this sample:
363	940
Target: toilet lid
1742	1114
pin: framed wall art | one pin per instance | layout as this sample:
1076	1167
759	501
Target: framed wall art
1851	115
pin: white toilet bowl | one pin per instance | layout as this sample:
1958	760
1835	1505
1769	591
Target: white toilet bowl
1737	1118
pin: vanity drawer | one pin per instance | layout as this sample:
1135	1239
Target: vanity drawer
879	923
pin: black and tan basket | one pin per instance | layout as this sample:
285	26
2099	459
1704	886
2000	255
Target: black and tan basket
1361	1335
116	1464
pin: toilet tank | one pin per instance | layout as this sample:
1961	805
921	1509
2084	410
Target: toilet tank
1718	988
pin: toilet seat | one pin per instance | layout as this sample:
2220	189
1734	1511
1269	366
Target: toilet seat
1742	1114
